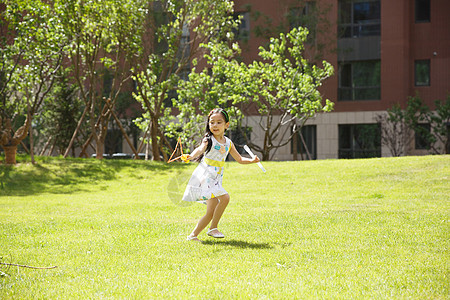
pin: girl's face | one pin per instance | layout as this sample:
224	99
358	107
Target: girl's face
217	124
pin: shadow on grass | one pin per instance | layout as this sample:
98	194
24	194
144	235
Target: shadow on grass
65	176
239	244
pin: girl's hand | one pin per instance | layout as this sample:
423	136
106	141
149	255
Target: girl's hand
255	159
186	158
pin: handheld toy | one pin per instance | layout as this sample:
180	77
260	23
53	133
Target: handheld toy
246	148
183	157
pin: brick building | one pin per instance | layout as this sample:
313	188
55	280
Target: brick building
382	51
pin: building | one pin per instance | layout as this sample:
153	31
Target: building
383	52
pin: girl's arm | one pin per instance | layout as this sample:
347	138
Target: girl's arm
198	151
242	160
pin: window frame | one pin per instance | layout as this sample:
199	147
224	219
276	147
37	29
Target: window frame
356	26
352	150
416	9
301	15
416	62
351	87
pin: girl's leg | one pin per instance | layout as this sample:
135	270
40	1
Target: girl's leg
219	209
211	205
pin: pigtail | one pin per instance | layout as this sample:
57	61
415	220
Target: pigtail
208	138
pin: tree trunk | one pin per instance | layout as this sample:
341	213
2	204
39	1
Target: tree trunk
100	149
75	133
45	146
294	141
100	139
447	146
31	145
124	133
154	135
266	155
305	146
10	154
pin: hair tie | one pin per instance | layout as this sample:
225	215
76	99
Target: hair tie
227	118
220	110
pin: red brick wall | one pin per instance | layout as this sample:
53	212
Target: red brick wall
432	41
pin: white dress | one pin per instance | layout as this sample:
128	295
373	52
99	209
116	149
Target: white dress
206	180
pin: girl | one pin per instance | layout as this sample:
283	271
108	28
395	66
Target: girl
205	184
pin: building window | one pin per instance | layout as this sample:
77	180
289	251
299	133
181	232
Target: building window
359	18
359	80
421	137
304	16
359	141
308	132
422	72
242	33
422	11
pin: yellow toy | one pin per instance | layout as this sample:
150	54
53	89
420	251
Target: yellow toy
183	157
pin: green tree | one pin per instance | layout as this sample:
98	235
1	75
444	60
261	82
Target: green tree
282	84
443	122
11	108
396	135
439	121
60	113
221	85
399	125
286	84
310	14
102	34
36	51
177	32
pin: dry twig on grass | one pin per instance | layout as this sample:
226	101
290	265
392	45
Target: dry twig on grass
29	267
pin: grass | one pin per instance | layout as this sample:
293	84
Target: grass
340	229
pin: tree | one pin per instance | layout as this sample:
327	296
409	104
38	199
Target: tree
104	35
312	15
283	84
286	84
439	122
60	113
178	31
442	123
299	13
396	135
399	125
221	85
36	51
10	107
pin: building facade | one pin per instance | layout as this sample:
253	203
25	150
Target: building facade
383	53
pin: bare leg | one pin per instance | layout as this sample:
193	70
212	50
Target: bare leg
211	205
219	209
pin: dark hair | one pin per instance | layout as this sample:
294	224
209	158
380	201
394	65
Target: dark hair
208	133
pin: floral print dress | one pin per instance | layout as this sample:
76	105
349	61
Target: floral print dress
206	180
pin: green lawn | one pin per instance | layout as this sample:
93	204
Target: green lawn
340	229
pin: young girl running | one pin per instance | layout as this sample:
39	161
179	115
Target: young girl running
205	184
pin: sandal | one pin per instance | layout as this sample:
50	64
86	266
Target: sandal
217	235
193	238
